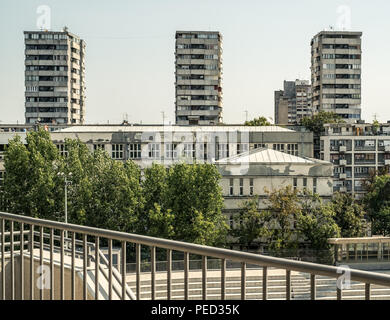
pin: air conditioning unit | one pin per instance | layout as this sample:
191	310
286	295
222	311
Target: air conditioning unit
343	189
343	162
387	148
343	176
342	149
387	162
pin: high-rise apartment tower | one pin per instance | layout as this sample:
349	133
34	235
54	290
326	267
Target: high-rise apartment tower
336	73
198	77
54	77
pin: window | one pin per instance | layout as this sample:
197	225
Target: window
189	150
292	148
259	145
304	183
223	150
2	176
117	151
154	150
251	186
241	186
135	151
231	187
278	147
98	146
62	149
315	185
170	150
242	148
231	220
295	183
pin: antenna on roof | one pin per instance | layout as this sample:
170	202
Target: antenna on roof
65	29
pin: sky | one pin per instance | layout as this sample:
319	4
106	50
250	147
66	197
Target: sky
130	52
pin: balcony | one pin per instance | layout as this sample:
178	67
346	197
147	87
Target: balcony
79	268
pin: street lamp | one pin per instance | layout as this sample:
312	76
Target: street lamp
67	183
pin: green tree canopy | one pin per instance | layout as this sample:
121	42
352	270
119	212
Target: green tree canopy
317	121
260	121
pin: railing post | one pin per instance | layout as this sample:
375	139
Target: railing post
288	284
73	277
51	264
367	291
138	270
32	284
204	277
312	286
339	294
243	281
97	267
123	270
153	272
21	261
41	292
169	274
223	279
62	284
3	259
186	275
265	284
85	262
110	269
12	261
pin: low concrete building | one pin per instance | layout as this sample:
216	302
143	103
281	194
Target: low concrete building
249	174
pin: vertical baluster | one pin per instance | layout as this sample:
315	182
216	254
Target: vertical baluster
110	269
123	270
204	278
223	279
153	272
41	292
138	270
312	286
73	277
97	266
243	280
12	262
368	291
339	294
186	274
85	262
21	261
32	282
288	284
62	278
169	274
51	264
265	283
2	259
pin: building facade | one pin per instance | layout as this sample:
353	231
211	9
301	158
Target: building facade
54	77
356	150
336	73
198	83
293	103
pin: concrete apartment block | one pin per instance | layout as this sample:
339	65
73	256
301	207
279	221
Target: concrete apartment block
336	73
356	151
54	77
198	77
293	103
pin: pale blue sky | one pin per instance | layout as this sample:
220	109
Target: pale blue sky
130	52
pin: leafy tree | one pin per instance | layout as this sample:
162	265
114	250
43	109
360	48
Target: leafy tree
315	222
317	121
283	208
348	215
251	223
377	202
260	121
31	180
195	198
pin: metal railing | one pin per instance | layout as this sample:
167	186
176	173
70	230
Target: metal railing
140	242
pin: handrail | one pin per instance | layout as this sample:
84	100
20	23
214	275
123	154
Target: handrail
244	257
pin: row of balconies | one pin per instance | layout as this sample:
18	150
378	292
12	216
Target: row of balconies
343	149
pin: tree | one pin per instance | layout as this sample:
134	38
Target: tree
31	181
377	202
195	198
260	121
250	223
315	222
283	208
317	121
348	214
